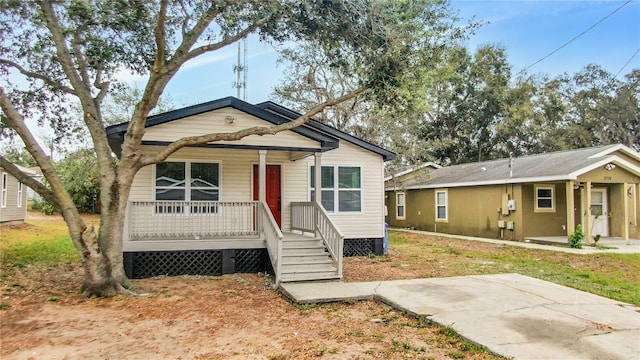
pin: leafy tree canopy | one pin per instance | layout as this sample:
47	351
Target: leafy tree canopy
54	55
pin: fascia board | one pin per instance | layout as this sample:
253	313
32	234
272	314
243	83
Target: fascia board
611	159
618	147
491	182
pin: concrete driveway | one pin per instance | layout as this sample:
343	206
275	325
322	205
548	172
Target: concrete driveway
512	315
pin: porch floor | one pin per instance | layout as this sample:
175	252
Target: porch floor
631	245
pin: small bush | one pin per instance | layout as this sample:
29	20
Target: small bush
575	239
47	208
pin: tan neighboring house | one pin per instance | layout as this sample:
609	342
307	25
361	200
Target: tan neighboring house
250	205
13	197
543	195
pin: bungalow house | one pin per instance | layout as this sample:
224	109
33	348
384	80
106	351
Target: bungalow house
251	205
13	197
541	195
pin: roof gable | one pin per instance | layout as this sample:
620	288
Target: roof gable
115	133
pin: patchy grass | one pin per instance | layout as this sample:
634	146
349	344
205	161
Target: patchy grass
616	276
41	241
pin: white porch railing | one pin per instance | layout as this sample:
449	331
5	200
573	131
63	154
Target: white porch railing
312	218
273	237
191	219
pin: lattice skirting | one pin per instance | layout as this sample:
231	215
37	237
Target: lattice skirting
144	264
363	247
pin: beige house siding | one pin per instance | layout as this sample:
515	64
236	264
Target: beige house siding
369	223
11	212
214	122
237	182
545	223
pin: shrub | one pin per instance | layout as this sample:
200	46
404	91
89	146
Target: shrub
575	239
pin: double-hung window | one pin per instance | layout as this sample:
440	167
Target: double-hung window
544	198
341	188
441	205
195	182
400	206
5	186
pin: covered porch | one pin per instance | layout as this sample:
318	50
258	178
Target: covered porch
606	210
303	244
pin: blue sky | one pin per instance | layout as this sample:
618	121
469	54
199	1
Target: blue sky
529	30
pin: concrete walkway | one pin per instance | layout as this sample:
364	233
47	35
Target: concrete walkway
512	315
620	246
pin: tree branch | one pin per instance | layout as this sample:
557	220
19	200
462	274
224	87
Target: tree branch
64	55
256	130
16	122
160	35
230	40
83	67
35	75
37	186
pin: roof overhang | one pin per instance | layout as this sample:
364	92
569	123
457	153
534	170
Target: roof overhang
562	177
619	147
116	133
412	169
331	131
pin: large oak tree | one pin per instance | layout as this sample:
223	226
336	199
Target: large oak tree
55	55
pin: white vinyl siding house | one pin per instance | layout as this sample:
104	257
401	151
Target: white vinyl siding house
236	183
13	197
213	196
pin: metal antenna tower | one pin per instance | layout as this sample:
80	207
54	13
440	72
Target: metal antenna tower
241	70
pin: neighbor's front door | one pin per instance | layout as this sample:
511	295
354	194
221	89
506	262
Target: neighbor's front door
599	212
274	198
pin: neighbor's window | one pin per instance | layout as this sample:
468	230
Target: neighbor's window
5	185
187	181
400	206
19	195
341	188
441	205
544	197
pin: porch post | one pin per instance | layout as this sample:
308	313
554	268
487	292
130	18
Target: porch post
587	215
625	213
317	196
571	221
262	175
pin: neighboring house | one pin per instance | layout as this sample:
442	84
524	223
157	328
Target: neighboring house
243	206
532	196
13	197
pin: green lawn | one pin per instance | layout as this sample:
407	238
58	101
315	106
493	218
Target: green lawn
44	241
616	276
41	241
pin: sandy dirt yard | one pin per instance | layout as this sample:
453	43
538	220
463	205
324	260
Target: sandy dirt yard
43	316
229	317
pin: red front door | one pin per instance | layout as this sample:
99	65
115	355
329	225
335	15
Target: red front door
273	190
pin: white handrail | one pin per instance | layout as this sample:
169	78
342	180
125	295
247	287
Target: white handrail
191	219
311	217
273	237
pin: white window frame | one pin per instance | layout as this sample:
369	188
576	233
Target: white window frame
5	186
403	206
536	197
19	202
187	188
445	205
336	188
